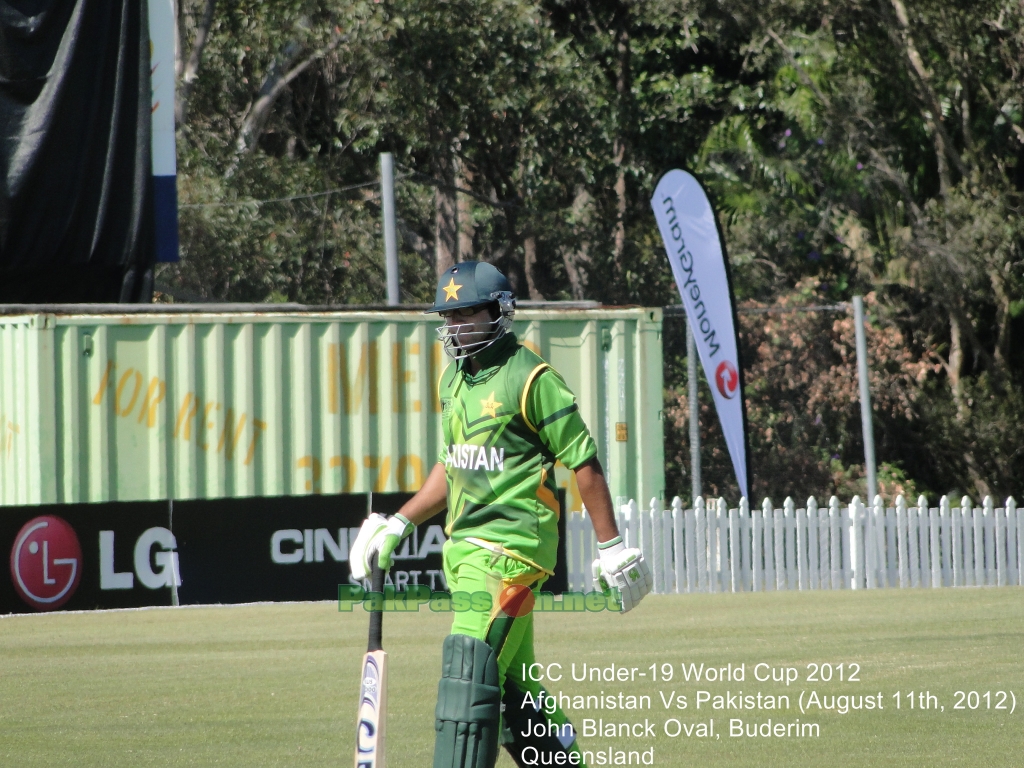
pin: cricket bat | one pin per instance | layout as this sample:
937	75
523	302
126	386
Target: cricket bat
373	691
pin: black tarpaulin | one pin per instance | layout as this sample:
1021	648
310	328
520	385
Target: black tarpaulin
75	184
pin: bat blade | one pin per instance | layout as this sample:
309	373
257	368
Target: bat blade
371	720
372	716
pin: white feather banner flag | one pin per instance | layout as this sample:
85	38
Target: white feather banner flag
688	229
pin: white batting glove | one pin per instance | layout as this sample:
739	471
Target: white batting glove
622	569
376	534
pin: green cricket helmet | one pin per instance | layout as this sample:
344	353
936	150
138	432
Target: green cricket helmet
473	284
470	284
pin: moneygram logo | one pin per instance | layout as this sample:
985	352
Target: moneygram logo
46	562
727	379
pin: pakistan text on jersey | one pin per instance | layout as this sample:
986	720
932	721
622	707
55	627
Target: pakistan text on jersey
466	456
690	286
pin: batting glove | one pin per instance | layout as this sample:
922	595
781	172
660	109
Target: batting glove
379	536
622	569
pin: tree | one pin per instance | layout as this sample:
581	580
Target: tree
863	146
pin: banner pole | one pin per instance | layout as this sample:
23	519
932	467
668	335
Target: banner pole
865	398
387	195
691	374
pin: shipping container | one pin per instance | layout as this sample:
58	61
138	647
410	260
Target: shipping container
198	402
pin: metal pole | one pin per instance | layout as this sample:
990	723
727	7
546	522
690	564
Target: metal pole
387	194
691	373
865	397
173	556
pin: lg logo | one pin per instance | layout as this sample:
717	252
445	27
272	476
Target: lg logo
46	562
165	560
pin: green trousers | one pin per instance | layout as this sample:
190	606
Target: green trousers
469	568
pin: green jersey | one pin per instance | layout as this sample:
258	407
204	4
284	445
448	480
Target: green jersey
504	428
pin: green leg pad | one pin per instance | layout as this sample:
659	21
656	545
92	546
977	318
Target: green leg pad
468	705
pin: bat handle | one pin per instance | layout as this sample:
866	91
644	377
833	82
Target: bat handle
376	617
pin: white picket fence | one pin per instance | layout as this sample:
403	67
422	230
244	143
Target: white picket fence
716	549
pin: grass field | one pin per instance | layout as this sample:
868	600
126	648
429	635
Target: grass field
276	684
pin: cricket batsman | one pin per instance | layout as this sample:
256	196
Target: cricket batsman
507	417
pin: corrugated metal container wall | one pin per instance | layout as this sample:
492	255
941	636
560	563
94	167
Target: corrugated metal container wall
105	407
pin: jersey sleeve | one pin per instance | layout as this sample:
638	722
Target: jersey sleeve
444	396
551	409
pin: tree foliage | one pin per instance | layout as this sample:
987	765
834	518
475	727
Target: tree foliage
868	147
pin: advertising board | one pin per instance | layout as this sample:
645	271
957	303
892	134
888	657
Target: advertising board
208	551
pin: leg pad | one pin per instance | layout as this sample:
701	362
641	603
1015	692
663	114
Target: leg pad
468	705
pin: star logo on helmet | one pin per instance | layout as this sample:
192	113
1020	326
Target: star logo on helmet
451	291
489	407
